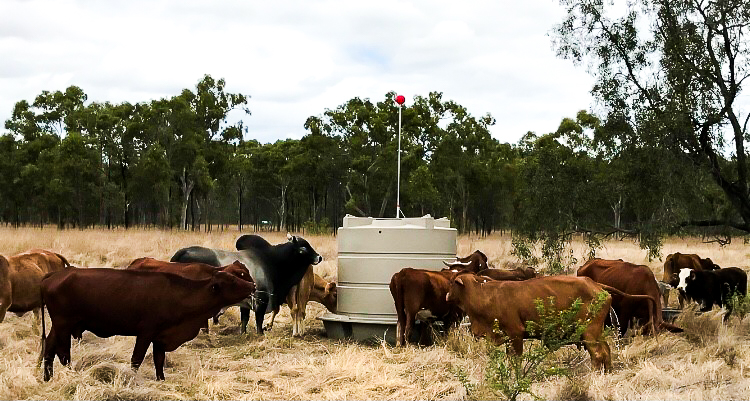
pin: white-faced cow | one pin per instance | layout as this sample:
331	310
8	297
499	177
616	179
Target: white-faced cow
713	287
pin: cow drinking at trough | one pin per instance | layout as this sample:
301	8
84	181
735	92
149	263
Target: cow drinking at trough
416	289
713	287
634	280
162	309
274	268
312	287
675	262
195	271
20	276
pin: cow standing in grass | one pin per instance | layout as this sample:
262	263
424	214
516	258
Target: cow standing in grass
20	276
274	268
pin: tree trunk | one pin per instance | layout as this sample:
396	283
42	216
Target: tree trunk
187	189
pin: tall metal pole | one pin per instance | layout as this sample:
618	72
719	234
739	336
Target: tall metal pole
398	179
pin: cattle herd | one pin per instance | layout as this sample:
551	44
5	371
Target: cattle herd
633	297
166	304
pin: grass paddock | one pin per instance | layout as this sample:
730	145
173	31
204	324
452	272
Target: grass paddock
710	360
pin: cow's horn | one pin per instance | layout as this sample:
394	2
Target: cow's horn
456	263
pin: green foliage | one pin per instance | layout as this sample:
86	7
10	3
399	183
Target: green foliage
556	253
739	304
512	375
523	249
670	89
322	227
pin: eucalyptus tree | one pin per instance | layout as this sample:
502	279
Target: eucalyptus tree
673	71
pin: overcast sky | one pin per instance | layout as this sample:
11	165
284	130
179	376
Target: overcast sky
297	58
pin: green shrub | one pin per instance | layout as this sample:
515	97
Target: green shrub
312	228
738	305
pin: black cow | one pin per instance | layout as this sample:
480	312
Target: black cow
274	268
713	287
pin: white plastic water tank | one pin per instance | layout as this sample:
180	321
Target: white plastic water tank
370	251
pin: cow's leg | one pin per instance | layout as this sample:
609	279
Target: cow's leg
400	326
159	356
205	327
139	351
63	347
601	355
269	326
37	321
408	326
5	301
50	345
260	313
244	318
516	344
218	315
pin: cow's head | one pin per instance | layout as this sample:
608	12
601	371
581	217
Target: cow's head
458	288
527	272
238	269
686	277
474	263
229	289
330	295
708	264
303	250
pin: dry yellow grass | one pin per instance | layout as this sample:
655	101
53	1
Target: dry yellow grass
710	361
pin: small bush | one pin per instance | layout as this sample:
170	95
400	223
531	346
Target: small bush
739	305
320	228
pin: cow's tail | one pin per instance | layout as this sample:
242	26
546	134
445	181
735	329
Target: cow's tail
44	336
651	311
398	300
65	261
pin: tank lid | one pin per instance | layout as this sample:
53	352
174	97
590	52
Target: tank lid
426	222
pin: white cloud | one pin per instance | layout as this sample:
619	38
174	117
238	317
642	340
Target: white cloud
297	58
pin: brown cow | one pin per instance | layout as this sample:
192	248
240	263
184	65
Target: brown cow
678	261
473	263
417	289
160	308
20	276
510	304
517	274
311	288
195	271
631	279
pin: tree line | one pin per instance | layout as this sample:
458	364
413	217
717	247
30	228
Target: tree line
664	153
176	163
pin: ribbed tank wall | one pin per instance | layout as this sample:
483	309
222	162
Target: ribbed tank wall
371	250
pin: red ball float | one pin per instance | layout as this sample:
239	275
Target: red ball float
400	99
